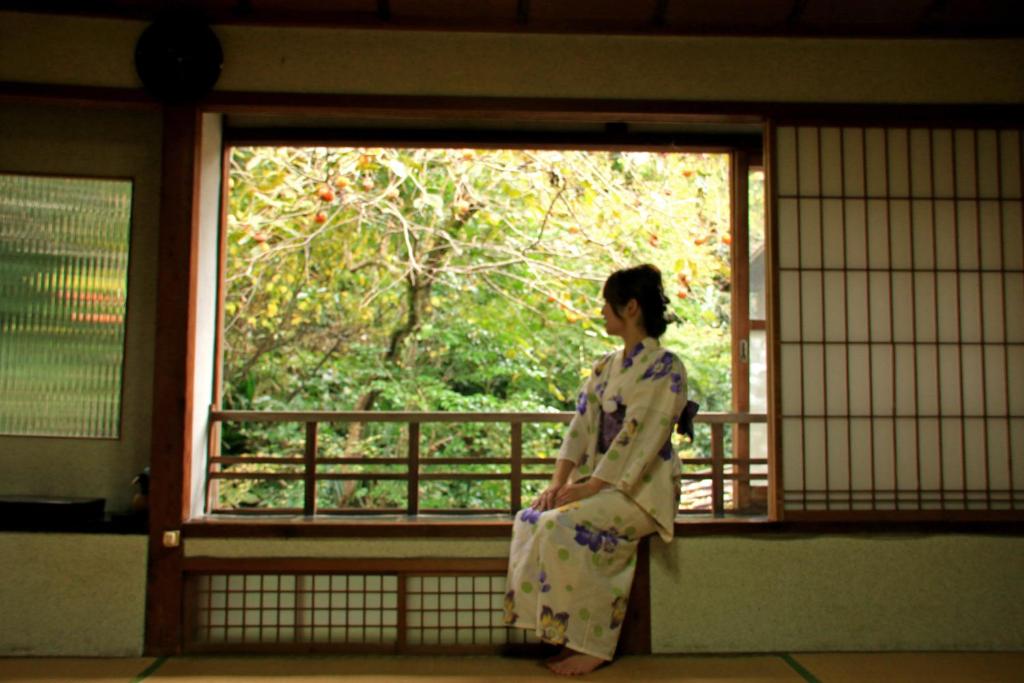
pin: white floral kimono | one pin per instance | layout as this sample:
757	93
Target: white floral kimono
571	568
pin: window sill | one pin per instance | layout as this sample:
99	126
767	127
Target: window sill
498	526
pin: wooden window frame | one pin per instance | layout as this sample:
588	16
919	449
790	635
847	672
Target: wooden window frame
739	149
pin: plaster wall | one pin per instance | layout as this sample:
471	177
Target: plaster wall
110	143
86	51
837	593
72	594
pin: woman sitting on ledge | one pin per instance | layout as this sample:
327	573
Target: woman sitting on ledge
616	480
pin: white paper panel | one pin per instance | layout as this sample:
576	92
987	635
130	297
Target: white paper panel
875	155
814	379
838	453
920	162
906	456
884	457
882	379
790	377
970	307
835	376
792	454
807	151
856	233
992	304
1017	449
945	235
996	387
831	158
922	219
903	302
901	241
924	308
860	379
966	182
973	378
1015	379
998	453
878	234
899	182
857	303
853	162
785	161
814	445
967	235
835	306
942	163
952	455
903	372
832	230
930	450
1013	236
946	294
975	442
988	163
860	450
810	233
927	379
1014	295
949	379
906	380
789	236
789	306
1009	158
991	235
812	321
880	306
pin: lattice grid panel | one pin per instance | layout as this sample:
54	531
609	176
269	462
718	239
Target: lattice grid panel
389	612
901	318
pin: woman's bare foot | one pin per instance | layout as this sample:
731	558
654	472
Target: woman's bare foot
575	664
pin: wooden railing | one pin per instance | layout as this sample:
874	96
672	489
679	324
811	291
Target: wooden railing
304	468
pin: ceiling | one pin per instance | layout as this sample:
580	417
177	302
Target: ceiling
825	18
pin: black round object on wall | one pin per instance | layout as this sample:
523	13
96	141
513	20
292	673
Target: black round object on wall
178	58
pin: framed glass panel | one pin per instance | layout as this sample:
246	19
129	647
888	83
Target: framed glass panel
63	292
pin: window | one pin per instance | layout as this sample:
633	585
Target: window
901	272
63	287
464	283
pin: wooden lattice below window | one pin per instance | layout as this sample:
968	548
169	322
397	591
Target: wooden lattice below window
395	611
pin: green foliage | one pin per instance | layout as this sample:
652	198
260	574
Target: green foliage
453	280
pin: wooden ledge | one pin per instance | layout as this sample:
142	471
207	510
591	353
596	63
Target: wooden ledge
427	526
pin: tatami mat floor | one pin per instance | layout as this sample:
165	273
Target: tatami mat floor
903	667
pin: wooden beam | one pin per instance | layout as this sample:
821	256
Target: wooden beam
174	358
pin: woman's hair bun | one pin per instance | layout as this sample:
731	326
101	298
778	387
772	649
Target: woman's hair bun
642	283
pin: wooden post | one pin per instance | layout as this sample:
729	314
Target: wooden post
717	469
174	352
309	470
413	503
517	466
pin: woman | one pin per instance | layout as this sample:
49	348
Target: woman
574	549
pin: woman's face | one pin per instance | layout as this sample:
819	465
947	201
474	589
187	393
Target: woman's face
613	323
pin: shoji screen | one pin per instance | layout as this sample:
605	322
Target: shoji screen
900	319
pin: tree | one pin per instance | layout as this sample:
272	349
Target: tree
435	278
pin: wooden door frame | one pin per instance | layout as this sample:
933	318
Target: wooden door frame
174	363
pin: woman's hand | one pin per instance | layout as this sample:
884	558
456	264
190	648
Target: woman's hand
573	492
547	497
